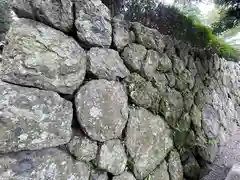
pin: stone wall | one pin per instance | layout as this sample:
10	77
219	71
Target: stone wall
86	97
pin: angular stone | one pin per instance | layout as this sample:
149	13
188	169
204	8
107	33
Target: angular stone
124	176
191	66
196	117
97	102
42	57
121	37
171	79
133	56
234	173
112	157
106	64
143	93
184	81
93	23
82	148
188	99
169	45
171	106
150	38
184	122
160	173
210	121
164	63
148	141
174	166
57	14
50	164
98	175
178	65
32	119
150	70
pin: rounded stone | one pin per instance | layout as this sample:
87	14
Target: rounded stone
112	157
102	109
82	147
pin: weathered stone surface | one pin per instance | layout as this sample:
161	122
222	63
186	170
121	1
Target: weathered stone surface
171	79
112	157
133	56
50	164
121	36
57	14
150	70
148	141
164	63
143	93
97	102
98	175
234	173
160	173
93	23
191	167
82	147
32	119
178	65
196	117
150	38
184	122
124	176
188	100
210	121
39	56
169	45
184	81
174	166
191	66
171	106
106	64
209	152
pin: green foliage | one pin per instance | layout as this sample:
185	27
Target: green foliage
181	24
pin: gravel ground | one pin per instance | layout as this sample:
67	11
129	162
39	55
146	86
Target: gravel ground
229	156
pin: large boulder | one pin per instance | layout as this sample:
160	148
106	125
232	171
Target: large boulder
102	109
148	140
112	157
50	164
57	14
32	119
106	64
39	56
93	23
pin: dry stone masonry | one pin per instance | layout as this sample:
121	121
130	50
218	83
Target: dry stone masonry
146	106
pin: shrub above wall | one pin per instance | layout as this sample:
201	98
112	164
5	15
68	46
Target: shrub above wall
171	21
146	105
